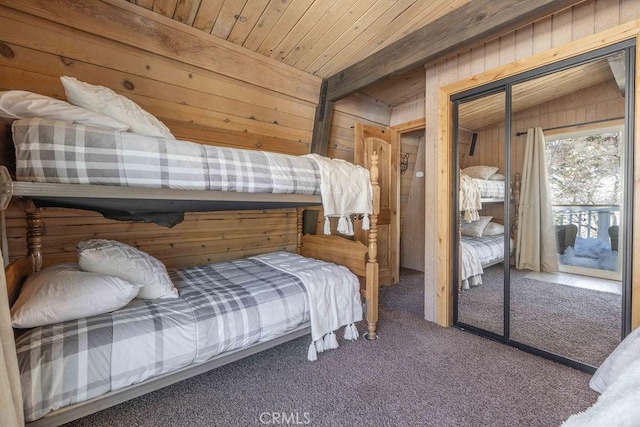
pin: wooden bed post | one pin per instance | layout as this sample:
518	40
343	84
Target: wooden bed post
372	264
35	231
515	199
299	225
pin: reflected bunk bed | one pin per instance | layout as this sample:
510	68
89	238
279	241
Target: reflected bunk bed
481	248
156	205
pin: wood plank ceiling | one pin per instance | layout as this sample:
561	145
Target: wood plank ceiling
320	37
488	110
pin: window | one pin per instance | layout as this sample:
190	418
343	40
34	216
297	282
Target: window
585	172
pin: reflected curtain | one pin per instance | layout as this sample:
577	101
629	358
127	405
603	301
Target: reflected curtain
10	394
535	241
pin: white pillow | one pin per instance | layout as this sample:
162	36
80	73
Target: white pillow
20	104
64	292
128	263
475	228
617	362
493	229
497	177
103	100
480	172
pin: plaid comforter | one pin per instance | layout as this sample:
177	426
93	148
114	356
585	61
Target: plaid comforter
221	307
489	189
488	249
62	152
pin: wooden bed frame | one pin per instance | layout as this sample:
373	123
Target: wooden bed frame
360	259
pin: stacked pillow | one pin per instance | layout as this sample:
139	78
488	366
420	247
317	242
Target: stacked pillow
64	292
480	171
493	229
475	228
481	227
105	101
20	104
128	263
88	104
108	276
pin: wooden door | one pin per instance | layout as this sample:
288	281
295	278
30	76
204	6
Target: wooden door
385	142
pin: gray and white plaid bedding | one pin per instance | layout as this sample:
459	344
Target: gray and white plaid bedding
221	307
490	189
62	152
489	249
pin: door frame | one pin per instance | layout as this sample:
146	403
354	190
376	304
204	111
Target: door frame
445	200
390	275
401	129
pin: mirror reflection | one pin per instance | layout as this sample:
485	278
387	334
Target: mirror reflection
481	204
557	221
568	146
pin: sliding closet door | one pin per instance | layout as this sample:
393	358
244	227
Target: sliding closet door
562	136
481	213
568	144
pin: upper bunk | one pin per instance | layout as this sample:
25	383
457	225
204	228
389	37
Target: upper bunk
140	200
139	177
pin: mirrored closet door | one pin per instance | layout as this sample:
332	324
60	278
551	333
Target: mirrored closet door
561	137
481	207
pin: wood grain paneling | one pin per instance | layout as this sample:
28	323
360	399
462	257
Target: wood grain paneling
318	36
223	98
121	22
200	239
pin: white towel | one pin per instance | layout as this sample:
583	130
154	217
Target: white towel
346	190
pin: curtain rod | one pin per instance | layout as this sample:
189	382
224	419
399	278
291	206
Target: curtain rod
576	124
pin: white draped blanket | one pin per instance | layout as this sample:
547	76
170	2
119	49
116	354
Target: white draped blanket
471	267
617	405
470	200
334	297
346	190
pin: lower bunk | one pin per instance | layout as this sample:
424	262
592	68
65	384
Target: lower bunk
479	253
223	312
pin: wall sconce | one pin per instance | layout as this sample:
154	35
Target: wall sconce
404	162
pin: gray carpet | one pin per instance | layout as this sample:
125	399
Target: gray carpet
581	324
415	374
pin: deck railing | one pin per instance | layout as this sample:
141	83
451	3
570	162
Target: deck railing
591	220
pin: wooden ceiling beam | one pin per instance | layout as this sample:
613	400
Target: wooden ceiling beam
476	21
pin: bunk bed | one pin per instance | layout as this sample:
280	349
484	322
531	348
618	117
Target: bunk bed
481	248
163	202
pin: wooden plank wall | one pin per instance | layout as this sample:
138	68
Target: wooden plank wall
201	238
582	20
348	111
205	89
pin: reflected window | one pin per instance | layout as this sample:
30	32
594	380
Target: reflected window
586	188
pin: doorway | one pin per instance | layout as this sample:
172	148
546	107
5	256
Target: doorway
506	226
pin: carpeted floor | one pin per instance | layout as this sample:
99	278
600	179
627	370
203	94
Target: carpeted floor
415	374
581	324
